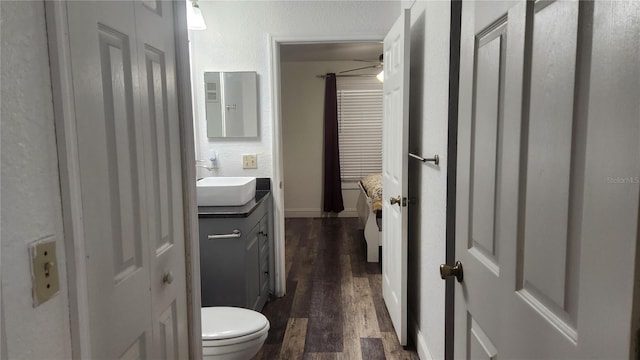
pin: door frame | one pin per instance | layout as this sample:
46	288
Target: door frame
274	43
452	176
71	197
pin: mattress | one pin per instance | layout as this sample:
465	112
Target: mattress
372	184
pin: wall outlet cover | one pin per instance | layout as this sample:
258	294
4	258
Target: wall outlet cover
44	270
249	161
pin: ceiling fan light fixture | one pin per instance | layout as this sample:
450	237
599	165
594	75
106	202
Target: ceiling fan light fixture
195	20
380	75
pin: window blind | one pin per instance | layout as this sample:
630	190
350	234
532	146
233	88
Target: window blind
359	126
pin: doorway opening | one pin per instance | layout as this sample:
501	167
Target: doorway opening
359	106
299	70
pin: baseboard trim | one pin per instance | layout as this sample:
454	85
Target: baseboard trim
317	213
421	344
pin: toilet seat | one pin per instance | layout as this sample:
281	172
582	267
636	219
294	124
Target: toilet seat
231	325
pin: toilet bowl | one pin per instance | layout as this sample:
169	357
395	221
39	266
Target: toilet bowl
231	333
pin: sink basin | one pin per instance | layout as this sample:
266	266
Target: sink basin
225	191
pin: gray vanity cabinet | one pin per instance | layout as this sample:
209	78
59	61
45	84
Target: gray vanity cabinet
234	259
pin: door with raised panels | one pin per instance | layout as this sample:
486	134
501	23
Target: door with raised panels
395	152
123	70
547	188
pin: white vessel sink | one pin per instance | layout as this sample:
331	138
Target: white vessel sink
225	191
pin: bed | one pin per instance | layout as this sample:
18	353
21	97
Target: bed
369	209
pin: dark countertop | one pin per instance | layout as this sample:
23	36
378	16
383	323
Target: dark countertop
263	188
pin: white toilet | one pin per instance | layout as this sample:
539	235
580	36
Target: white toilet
231	333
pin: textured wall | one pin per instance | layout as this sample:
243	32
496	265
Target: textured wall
237	39
30	198
429	96
302	128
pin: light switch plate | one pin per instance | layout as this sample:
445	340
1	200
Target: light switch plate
44	270
249	161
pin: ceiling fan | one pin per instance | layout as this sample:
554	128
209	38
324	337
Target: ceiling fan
378	65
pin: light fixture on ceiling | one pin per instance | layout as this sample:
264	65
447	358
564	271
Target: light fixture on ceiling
379	65
195	20
380	75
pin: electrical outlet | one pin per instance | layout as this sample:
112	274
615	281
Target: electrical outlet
249	161
44	270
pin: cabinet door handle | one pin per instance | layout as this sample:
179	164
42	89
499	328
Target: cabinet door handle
234	234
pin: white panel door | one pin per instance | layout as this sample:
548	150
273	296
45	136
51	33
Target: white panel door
395	152
123	72
548	186
159	99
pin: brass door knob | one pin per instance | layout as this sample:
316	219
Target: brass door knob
168	278
447	271
396	200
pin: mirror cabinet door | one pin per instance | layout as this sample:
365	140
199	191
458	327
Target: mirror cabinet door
231	104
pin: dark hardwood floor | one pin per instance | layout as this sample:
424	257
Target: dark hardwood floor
334	307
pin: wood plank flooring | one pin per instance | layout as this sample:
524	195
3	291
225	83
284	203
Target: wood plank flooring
334	307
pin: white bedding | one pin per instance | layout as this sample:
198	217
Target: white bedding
367	217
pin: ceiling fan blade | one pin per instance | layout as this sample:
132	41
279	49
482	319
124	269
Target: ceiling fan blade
362	68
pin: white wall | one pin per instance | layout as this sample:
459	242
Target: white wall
428	109
302	95
31	205
237	39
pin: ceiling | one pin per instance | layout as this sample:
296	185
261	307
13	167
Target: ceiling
331	51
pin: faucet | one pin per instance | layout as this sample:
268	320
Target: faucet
210	168
213	160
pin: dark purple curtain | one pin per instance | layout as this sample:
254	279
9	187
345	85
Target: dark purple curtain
332	182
